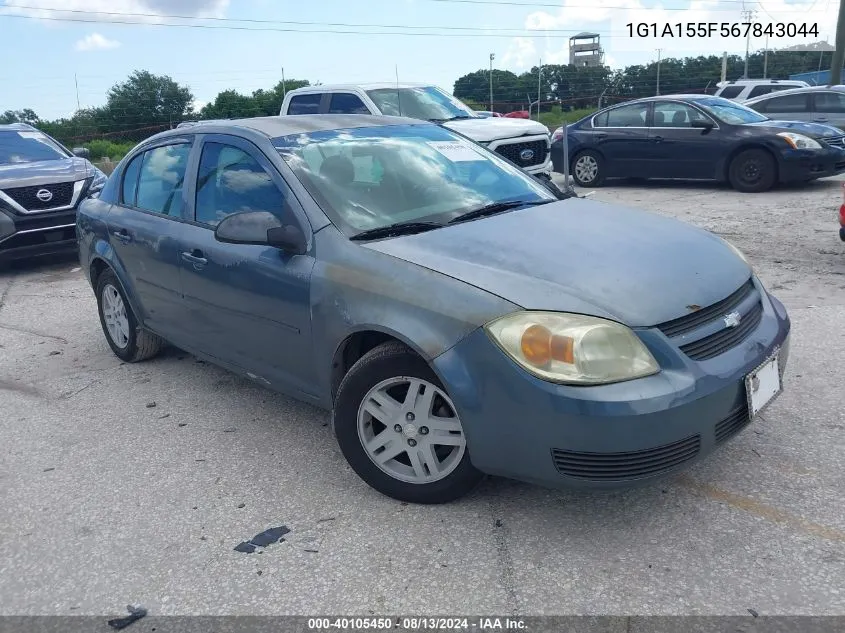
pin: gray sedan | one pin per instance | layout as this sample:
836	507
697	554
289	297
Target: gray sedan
817	104
457	316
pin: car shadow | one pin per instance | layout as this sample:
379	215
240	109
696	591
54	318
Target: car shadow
708	185
51	265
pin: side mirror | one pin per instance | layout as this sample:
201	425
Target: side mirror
702	124
263	229
82	152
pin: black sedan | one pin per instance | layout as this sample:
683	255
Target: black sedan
697	137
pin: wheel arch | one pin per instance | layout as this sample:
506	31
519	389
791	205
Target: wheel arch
100	262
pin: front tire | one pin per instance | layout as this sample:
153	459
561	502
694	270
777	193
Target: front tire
399	430
588	169
752	171
129	342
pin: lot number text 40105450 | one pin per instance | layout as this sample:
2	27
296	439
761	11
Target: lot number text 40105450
722	29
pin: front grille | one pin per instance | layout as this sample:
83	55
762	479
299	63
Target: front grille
725	339
695	320
836	141
27	197
733	424
511	151
623	466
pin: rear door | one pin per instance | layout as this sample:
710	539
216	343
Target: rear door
829	108
620	135
144	229
679	150
247	305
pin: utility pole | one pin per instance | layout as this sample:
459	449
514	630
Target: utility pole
766	58
492	57
748	14
283	83
539	80
658	71
77	92
839	53
724	65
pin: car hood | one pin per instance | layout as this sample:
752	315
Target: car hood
814	130
582	256
44	172
495	128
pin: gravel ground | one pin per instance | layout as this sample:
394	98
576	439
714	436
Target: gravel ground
133	483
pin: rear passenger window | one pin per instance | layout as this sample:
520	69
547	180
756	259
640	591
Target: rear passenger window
785	103
130	180
305	104
729	92
346	103
162	178
231	181
830	102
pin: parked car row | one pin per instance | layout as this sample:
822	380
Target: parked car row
698	137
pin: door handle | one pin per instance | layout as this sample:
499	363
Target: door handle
658	139
601	136
195	257
821	119
122	235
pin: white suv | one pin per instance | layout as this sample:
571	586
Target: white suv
742	89
522	141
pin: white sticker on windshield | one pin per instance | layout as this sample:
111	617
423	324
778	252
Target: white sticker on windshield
456	151
30	135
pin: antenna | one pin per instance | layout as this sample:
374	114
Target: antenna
398	97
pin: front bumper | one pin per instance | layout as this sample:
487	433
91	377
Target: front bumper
802	165
607	436
557	157
36	235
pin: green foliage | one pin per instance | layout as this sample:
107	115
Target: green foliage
555	117
101	148
19	116
231	104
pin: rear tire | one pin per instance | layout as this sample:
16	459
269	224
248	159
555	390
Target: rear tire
752	171
392	401
129	342
588	169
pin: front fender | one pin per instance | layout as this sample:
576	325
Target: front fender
356	289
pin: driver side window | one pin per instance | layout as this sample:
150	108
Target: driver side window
231	181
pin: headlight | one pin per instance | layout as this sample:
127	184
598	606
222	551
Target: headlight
572	348
99	181
736	251
799	141
557	134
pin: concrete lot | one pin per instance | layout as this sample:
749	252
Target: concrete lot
133	483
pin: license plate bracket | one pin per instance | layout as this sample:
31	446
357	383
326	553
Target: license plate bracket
763	385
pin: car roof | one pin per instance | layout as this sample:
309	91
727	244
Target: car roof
793	91
276	126
11	127
362	86
757	82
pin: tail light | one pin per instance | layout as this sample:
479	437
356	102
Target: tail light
842	208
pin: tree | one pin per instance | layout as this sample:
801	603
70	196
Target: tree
20	116
145	100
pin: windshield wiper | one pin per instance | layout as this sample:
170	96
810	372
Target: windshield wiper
392	230
458	117
496	207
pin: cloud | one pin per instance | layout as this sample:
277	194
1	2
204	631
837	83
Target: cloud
87	9
95	42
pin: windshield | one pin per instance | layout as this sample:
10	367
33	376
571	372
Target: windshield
424	102
730	111
27	146
368	178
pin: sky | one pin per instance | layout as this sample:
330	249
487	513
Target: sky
52	46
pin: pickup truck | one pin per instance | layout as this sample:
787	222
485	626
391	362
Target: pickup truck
524	142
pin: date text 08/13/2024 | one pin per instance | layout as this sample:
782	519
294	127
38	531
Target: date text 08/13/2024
722	29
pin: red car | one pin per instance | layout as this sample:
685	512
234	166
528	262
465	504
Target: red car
518	114
842	223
